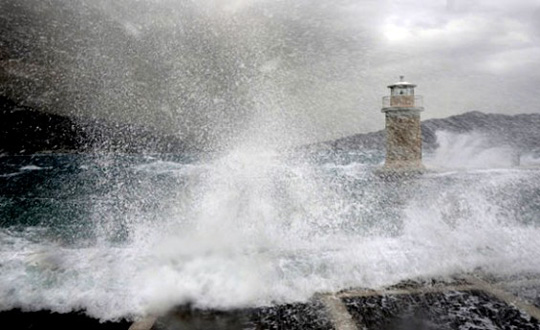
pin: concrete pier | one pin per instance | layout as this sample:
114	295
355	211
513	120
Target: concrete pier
429	304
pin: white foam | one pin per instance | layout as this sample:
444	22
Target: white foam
469	151
530	160
256	230
9	175
33	168
164	167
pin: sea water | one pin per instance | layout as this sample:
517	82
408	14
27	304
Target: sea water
122	236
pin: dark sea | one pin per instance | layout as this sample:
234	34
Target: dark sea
120	236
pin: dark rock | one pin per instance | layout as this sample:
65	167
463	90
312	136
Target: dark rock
45	320
24	130
430	311
299	316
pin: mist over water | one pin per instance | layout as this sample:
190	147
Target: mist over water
248	222
474	151
202	70
253	228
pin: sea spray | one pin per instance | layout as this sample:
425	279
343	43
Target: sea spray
250	228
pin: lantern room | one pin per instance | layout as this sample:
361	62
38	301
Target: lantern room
402	94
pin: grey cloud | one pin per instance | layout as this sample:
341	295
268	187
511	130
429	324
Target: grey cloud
292	72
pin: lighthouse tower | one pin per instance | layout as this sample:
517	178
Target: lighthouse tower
403	132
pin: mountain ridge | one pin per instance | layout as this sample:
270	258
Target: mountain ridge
520	131
24	130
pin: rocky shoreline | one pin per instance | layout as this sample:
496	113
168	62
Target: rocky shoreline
25	131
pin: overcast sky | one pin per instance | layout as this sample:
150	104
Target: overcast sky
464	55
227	68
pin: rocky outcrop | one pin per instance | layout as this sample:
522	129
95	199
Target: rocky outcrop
24	130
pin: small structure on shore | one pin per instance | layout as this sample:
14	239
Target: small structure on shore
403	131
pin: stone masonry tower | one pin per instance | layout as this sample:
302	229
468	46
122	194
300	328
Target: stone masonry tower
403	132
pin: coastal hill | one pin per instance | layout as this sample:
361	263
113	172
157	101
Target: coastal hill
24	130
520	131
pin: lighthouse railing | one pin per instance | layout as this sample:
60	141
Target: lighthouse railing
403	101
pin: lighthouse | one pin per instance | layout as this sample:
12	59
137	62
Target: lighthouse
403	131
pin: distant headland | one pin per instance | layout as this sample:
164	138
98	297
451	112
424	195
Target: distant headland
519	131
24	130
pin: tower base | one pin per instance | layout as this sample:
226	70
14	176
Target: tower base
397	173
